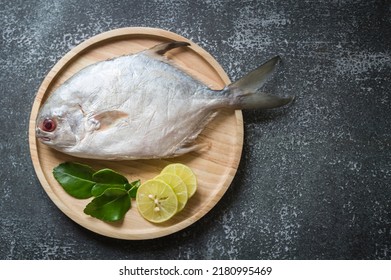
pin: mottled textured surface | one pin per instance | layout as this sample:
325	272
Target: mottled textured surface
314	179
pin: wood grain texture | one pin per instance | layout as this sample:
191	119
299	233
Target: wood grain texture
214	168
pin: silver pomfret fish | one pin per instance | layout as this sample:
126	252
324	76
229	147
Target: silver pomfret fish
141	106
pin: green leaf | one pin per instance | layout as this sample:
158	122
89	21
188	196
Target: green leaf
111	206
99	188
132	188
112	190
108	176
75	178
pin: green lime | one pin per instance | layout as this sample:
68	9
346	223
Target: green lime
156	201
185	173
177	184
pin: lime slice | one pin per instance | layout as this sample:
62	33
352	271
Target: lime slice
177	184
156	201
185	173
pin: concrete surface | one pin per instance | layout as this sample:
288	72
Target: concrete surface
314	178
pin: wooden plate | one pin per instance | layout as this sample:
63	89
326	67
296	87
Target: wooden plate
214	168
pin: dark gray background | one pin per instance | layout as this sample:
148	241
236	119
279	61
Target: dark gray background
314	178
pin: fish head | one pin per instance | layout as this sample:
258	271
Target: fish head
60	125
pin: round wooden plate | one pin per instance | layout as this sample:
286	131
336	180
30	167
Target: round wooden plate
214	168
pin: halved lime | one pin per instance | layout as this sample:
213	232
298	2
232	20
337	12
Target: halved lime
177	184
156	201
185	173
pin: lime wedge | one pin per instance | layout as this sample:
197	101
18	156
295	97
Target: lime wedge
179	187
185	173
156	201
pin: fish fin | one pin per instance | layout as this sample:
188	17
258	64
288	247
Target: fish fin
193	148
161	49
244	93
200	127
107	119
188	144
158	53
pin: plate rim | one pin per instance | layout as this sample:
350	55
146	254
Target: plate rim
68	58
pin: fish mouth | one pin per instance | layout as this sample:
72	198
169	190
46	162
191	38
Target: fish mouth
44	138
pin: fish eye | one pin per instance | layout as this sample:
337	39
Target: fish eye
48	125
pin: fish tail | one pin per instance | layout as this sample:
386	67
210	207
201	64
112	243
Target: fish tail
245	93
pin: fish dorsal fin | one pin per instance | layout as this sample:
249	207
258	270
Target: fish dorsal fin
157	52
161	49
107	119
